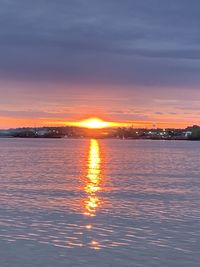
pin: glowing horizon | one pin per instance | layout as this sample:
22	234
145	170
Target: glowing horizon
96	123
12	123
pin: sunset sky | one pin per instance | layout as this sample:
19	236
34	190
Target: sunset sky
134	61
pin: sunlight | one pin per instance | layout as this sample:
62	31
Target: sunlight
93	179
95	123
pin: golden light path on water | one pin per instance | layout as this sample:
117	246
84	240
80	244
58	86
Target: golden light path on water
93	179
92	186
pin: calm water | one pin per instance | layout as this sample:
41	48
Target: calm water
99	203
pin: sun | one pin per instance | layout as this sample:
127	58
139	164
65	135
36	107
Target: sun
94	123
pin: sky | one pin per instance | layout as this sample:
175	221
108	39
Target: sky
134	61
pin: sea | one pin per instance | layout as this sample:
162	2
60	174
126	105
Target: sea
99	203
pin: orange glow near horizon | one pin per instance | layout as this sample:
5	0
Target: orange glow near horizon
7	123
95	123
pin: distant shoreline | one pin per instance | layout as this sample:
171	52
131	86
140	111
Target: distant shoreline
127	133
108	138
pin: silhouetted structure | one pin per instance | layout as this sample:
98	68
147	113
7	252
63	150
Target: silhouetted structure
190	133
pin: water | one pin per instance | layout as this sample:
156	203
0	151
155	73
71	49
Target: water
99	203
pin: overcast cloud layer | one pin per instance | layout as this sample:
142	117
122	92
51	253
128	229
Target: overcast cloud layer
141	42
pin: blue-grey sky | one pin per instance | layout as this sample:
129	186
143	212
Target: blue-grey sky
135	60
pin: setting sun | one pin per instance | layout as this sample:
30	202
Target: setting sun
94	123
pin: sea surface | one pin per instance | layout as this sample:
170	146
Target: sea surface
66	202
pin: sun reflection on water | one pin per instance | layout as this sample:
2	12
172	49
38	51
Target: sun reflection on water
93	179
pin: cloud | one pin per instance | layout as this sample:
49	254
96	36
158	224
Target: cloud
34	114
127	42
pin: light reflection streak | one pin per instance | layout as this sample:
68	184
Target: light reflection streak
93	179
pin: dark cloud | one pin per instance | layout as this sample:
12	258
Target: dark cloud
135	42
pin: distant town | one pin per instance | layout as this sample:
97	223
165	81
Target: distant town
189	133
